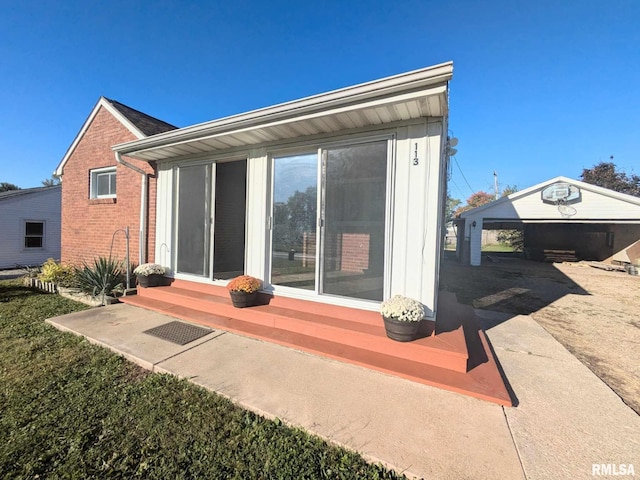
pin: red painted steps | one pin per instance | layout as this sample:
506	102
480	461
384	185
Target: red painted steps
351	335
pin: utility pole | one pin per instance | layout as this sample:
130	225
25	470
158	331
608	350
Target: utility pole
496	192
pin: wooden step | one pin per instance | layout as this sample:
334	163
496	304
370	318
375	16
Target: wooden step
455	356
363	330
483	381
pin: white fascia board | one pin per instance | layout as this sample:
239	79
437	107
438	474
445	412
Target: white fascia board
601	190
268	122
438	74
102	102
511	197
582	185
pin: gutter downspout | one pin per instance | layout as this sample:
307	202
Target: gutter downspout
142	232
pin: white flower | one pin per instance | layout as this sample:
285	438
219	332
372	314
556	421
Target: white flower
402	308
147	269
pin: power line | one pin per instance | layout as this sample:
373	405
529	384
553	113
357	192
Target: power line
462	173
457	187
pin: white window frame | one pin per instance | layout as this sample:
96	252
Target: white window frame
43	236
93	175
390	137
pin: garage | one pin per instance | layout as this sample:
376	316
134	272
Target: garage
585	221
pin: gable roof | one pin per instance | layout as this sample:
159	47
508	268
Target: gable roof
540	186
25	191
139	124
146	124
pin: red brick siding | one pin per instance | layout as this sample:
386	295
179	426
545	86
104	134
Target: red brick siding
88	226
346	252
355	252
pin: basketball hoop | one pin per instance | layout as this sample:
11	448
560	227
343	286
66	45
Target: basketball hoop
566	211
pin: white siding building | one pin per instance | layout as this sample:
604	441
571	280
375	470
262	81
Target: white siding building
30	226
560	213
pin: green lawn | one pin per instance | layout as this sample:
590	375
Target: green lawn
497	247
69	409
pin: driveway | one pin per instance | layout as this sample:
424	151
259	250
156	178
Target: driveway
593	313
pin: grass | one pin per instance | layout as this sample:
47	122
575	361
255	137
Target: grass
70	409
285	266
497	247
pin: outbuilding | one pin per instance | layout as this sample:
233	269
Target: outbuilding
560	214
30	220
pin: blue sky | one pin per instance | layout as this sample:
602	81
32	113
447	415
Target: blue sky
540	88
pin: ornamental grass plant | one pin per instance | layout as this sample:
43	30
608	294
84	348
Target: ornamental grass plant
105	276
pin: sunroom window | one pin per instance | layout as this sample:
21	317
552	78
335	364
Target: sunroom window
103	183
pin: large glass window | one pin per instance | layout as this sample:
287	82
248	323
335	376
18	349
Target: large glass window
295	199
345	257
193	220
354	221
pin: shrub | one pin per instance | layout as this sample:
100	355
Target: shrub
57	273
105	276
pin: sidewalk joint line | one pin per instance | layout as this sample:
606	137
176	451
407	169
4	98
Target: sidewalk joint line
515	444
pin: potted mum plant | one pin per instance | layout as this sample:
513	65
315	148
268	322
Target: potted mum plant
150	274
244	291
402	316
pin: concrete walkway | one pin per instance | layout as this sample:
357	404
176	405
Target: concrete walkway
566	420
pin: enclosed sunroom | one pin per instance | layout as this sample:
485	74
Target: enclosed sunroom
335	198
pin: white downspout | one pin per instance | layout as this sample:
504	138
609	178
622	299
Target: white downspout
142	231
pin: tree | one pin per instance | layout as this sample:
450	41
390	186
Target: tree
450	208
50	182
605	175
513	237
509	189
5	187
293	219
476	200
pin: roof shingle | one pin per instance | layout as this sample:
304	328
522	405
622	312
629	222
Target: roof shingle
147	124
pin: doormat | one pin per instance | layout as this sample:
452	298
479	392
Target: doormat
178	332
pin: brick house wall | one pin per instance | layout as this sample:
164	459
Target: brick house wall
345	252
88	225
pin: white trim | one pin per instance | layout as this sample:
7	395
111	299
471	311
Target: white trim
319	152
293	144
540	186
104	103
418	83
24	234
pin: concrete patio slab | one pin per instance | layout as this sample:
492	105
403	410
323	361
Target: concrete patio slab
417	429
565	421
120	328
420	430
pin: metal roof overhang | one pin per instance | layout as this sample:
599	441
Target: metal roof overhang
422	93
